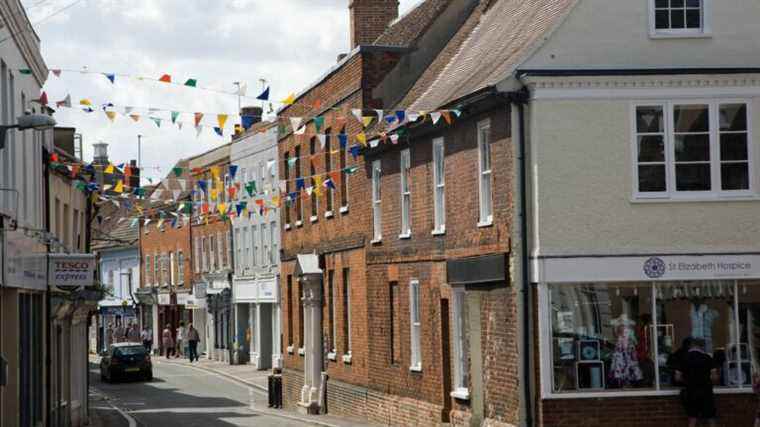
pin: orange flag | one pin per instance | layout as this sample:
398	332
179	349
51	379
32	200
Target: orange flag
165	78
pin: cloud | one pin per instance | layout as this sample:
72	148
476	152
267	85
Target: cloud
290	43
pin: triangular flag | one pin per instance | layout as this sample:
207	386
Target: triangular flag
374	143
135	117
147	221
198	117
355	151
435	116
289	100
362	138
251	188
109	168
329	183
457	112
175	114
56	72
165	78
446	116
43	100
264	96
394	139
111	115
219	131
198	129
182	183
222	207
400	115
156	120
295	122
191	82
66	102
322	140
119	187
110	76
133	224
128	110
221	119
179	125
412	116
215	172
85	101
233	171
317	104
177	171
318	123
25	71
343	139
380	114
366	120
357	112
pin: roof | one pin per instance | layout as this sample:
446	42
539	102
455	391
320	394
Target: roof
495	39
406	29
112	233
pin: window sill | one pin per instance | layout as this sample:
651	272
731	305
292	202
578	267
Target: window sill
680	35
460	394
287	227
440	232
314	218
405	236
344	209
329	214
417	368
347	359
332	356
377	241
485	224
721	198
602	394
290	349
301	351
299	223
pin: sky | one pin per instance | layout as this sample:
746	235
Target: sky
288	43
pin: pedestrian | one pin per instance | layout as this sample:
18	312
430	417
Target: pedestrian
119	332
147	339
192	339
181	340
133	334
168	341
109	336
698	373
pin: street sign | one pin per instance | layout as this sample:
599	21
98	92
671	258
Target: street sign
71	272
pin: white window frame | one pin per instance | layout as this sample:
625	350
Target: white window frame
460	389
439	188
246	264
670	193
377	212
148	272
704	31
204	256
485	176
254	245
346	278
220	250
415	327
180	268
238	252
405	167
264	247
274	251
197	255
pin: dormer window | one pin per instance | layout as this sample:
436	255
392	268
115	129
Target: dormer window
679	18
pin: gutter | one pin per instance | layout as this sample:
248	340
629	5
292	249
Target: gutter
567	72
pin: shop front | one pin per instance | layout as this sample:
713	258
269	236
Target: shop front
219	324
257	322
170	313
612	327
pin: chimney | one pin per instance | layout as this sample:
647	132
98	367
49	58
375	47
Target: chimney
369	18
134	177
101	153
249	116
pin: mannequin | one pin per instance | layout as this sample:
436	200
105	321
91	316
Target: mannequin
625	369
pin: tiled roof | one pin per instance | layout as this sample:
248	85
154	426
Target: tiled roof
407	28
494	40
111	233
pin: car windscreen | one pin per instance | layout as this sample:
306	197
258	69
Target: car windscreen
129	351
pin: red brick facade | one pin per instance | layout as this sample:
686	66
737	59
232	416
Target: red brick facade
369	18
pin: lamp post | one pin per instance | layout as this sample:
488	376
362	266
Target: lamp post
27	121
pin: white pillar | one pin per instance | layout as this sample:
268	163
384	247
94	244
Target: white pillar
211	333
312	306
156	329
276	350
253	349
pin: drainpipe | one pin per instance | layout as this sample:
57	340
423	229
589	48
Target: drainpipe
520	99
48	359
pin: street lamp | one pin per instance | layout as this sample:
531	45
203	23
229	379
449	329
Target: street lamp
27	121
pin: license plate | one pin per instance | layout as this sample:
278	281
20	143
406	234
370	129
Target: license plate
132	370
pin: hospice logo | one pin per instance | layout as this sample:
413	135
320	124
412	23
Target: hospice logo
654	268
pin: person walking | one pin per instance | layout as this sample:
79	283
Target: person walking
133	334
181	340
192	340
109	337
698	373
168	341
119	332
147	339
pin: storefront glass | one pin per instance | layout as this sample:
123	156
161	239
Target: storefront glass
603	334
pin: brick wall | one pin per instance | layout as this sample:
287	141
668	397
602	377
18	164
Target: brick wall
215	227
162	242
369	18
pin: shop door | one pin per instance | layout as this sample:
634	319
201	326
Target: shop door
265	340
446	362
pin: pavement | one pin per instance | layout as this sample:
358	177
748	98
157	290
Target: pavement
206	393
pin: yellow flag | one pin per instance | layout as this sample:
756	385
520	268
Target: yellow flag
290	100
85	101
215	172
222	208
119	187
318	185
214	193
362	138
222	119
366	120
111	115
276	201
109	168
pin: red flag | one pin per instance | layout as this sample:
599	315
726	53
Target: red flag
165	78
43	99
54	158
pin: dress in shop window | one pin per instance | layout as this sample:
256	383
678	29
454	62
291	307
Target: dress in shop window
624	368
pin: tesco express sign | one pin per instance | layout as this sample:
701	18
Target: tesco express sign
70	272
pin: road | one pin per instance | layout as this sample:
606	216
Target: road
188	397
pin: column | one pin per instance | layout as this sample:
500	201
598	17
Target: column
312	306
253	350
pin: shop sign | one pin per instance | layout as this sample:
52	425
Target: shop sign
71	272
646	268
25	262
164	299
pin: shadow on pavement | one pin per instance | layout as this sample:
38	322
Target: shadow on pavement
152	400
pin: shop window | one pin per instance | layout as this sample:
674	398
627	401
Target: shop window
630	336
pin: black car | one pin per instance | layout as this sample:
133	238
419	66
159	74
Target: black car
125	360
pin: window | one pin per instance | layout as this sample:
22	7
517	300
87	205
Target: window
313	181
414	321
180	268
461	368
290	309
688	150
264	244
343	176
275	254
254	245
221	249
156	270
329	192
439	200
148	278
406	194
205	255
484	173
172	269
109	280
346	312
624	336
331	297
679	17
214	263
395	338
299	204
376	210
246	263
165	275
197	255
286	172
228	248
239	255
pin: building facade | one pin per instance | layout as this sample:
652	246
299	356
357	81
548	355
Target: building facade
256	246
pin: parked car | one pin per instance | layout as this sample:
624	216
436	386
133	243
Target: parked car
125	360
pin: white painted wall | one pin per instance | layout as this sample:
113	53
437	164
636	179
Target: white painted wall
615	34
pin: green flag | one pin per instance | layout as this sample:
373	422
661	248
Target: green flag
25	71
191	82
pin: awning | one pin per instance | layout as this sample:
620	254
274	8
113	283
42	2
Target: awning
485	270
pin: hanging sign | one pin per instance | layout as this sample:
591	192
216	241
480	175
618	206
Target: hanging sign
71	272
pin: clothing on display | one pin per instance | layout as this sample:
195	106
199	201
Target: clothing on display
702	319
624	368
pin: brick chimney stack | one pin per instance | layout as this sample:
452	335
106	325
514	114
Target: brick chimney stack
369	18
